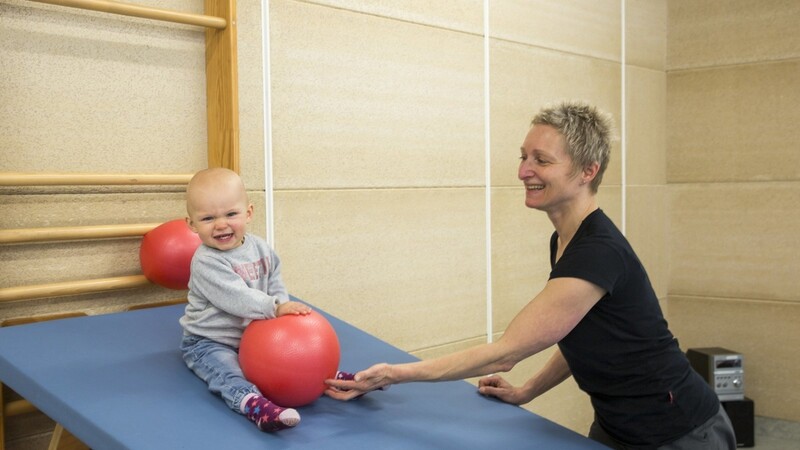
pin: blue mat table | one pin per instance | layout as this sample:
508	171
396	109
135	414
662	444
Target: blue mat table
117	381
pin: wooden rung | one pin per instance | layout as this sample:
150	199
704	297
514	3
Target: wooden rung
176	301
34	319
90	179
71	288
19	235
17	407
145	12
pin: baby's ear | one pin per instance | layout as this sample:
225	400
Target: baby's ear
190	224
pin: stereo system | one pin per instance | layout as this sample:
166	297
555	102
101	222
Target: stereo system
724	372
722	369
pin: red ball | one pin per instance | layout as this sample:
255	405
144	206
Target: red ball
290	357
166	254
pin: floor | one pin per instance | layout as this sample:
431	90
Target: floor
775	434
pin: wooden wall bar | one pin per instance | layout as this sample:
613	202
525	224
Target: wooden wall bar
145	12
223	143
90	179
222	91
20	235
72	288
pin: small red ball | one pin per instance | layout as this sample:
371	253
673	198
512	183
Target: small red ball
290	357
166	254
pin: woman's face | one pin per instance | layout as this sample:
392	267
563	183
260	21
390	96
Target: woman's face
545	169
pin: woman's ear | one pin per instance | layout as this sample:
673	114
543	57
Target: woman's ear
589	172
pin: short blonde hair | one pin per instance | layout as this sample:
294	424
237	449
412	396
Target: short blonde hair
586	130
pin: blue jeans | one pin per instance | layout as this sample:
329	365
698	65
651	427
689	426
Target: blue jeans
218	365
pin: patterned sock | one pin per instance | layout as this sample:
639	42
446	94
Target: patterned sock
269	416
344	375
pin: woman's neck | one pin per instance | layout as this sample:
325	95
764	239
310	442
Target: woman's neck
567	220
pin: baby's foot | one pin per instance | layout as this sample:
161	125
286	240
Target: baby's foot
269	416
347	376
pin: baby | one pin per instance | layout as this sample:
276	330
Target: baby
235	279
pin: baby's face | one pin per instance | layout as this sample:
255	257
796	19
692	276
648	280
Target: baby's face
220	216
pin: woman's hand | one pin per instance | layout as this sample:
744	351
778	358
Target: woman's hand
376	377
497	386
290	307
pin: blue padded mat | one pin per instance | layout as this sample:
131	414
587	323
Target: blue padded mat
118	381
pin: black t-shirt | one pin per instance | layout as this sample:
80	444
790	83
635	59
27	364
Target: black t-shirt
621	353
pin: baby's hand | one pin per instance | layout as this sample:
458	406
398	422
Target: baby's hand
295	308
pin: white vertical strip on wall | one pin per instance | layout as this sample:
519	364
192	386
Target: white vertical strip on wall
488	171
623	123
268	201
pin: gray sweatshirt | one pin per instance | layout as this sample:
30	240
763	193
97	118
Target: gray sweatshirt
230	289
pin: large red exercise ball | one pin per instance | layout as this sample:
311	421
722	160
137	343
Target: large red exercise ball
166	254
290	357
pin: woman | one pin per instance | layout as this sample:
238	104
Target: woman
598	307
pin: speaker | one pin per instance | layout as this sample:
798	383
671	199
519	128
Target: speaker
741	413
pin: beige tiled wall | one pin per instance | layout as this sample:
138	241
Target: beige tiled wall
646	34
645	161
456	15
361	101
569	27
647	218
735	123
733	188
406	265
251	100
719	33
378	162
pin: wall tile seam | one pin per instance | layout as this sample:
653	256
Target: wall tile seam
380	188
556	50
393	18
368	188
634	185
425	188
789	183
445	28
642	67
689	69
457	30
671	296
471	341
